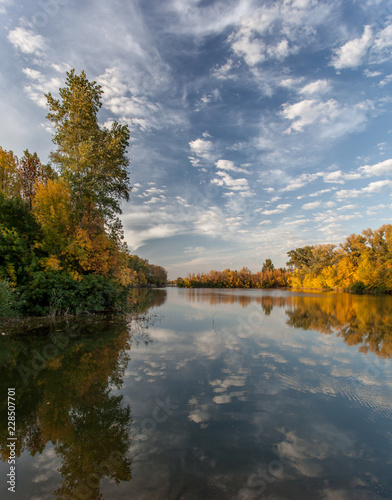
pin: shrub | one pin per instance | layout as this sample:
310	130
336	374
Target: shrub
55	293
8	301
356	287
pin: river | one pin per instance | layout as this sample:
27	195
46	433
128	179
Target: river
215	394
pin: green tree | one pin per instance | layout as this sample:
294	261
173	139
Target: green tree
300	257
92	159
19	233
267	266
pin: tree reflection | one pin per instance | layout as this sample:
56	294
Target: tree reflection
64	377
365	321
362	320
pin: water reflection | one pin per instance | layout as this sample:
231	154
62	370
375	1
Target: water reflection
206	402
64	380
141	300
361	320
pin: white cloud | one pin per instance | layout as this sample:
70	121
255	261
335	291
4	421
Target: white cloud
339	177
317	87
331	118
112	84
227	181
278	210
202	148
352	53
311	205
223	72
277	30
26	41
385	81
211	222
3	5
39	85
373	187
32	73
291	82
144	224
348	207
297	222
207	98
250	48
300	181
229	165
193	18
384	167
322	191
136	110
308	111
372	74
384	38
281	50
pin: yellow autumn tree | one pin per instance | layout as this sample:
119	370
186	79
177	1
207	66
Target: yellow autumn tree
9	178
53	211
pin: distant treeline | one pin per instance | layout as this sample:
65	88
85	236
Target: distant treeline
363	263
269	277
61	240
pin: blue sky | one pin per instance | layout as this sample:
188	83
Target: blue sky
257	127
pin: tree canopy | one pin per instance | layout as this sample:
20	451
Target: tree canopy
91	158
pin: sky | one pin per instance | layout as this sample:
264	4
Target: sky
256	126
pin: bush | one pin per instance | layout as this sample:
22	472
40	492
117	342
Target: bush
54	293
8	301
356	287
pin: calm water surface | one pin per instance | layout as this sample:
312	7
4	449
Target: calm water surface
216	394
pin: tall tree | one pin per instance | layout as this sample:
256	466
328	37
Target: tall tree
92	159
300	257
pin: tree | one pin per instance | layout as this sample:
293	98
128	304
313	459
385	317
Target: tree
267	266
9	179
19	233
300	257
52	210
92	159
31	172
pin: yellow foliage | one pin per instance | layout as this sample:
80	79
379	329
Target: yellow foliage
9	178
53	211
12	280
51	263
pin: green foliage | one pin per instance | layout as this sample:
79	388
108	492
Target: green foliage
147	273
300	257
356	287
15	214
55	293
180	282
267	266
19	232
8	301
